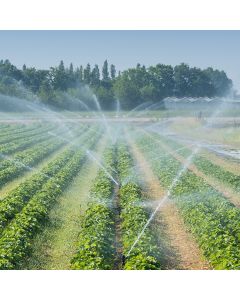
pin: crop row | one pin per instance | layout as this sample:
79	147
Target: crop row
20	138
40	135
134	216
21	135
15	240
8	129
17	198
17	164
22	144
212	219
209	167
35	155
48	138
4	125
95	249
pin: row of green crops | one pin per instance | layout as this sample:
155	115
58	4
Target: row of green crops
22	135
35	155
208	167
17	164
9	129
7	126
212	219
45	132
20	138
20	156
145	254
21	144
18	197
16	237
95	249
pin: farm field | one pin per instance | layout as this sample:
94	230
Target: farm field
119	191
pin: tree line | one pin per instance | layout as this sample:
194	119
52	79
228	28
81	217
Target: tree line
69	87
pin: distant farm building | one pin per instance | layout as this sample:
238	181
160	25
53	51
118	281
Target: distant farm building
199	103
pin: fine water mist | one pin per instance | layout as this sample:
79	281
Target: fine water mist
204	121
104	120
118	108
90	155
178	176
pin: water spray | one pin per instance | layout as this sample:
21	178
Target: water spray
139	107
166	197
89	154
174	183
101	166
103	116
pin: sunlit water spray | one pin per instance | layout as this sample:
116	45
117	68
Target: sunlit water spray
28	168
117	108
139	107
148	107
184	168
53	117
90	155
222	150
166	197
25	166
82	104
16	162
35	105
105	122
101	166
156	157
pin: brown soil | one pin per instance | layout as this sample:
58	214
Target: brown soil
178	248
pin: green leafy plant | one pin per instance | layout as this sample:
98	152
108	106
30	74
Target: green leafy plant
212	219
95	249
145	254
15	240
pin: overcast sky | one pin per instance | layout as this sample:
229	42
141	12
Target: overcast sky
42	49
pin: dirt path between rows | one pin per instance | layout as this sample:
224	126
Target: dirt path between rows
227	192
177	246
55	246
227	165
